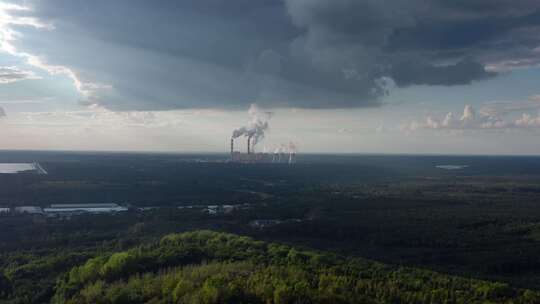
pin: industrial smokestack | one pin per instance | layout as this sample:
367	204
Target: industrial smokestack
292	152
292	158
249	145
256	127
232	146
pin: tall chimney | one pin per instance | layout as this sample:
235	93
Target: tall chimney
249	145
292	158
232	146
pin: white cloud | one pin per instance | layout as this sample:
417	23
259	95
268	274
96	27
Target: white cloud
381	129
8	35
10	74
97	128
487	119
528	121
99	117
530	59
345	130
500	108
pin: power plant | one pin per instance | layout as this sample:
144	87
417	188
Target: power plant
283	154
254	131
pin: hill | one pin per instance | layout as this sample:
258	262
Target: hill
211	267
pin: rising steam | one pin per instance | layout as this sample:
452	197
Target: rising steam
256	127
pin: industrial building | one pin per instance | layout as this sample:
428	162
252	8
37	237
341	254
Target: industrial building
62	210
255	131
18	168
83	208
5	211
279	156
29	210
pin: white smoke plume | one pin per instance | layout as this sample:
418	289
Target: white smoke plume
279	149
256	127
281	152
292	147
289	148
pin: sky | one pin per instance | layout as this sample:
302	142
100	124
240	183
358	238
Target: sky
330	76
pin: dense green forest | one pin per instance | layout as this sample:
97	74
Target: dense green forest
211	267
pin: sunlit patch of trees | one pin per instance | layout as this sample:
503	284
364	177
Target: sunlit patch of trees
211	267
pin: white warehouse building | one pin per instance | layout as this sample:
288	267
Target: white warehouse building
84	208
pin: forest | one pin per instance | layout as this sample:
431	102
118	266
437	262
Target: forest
210	267
345	232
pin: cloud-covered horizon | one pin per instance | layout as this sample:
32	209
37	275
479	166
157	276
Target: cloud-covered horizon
141	55
492	116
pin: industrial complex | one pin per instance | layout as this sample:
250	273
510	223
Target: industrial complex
254	132
283	154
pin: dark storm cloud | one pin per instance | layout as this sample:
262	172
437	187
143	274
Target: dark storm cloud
464	72
418	42
461	33
298	53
